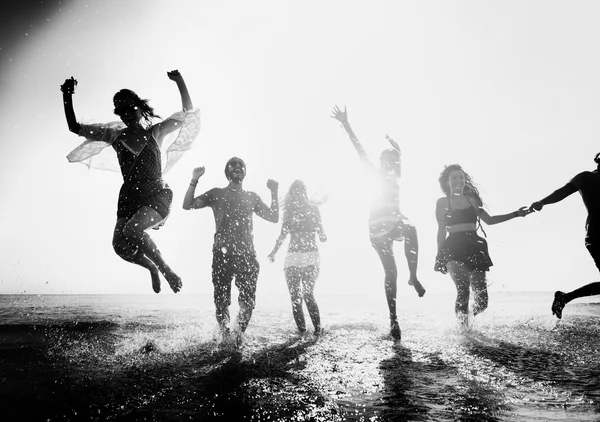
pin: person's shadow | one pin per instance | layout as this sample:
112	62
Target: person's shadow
573	374
431	389
201	382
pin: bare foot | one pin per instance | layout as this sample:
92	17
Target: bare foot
174	280
417	285
155	281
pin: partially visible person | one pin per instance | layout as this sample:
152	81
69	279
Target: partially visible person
302	221
588	185
386	223
234	255
145	198
463	253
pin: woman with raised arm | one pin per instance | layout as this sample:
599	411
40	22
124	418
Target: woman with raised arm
464	254
302	220
144	199
386	222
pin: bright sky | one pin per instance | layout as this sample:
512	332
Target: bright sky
508	89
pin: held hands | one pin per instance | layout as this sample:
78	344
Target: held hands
272	185
69	86
522	212
198	172
174	75
340	115
536	206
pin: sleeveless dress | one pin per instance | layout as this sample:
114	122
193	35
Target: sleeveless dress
142	173
467	247
142	180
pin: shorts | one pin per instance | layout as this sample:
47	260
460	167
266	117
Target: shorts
466	247
302	259
386	231
244	268
593	247
155	194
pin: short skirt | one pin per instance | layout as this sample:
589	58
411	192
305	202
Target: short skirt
466	247
155	194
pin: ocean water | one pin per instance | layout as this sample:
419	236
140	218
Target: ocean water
159	358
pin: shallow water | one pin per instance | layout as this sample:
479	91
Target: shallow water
142	357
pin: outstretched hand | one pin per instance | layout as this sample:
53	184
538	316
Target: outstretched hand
69	86
340	115
272	185
523	211
272	257
174	75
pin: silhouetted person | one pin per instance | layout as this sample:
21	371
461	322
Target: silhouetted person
464	254
144	199
588	185
302	221
233	248
386	222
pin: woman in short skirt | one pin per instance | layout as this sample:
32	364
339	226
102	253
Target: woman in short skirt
463	253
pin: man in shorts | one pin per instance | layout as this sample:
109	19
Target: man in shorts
233	248
588	185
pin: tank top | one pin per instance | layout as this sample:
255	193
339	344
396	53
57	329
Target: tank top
461	215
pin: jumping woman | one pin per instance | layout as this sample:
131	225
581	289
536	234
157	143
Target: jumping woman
144	199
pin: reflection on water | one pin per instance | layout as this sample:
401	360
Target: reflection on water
136	358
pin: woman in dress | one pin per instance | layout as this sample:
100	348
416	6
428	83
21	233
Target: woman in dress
302	221
463	253
144	199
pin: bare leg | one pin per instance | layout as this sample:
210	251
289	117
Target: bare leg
134	232
386	255
131	253
411	251
460	276
310	278
480	293
294	283
561	299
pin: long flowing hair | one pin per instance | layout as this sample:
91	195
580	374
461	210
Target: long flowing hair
141	103
470	188
293	203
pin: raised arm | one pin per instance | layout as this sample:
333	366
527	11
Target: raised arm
68	89
342	117
169	125
189	202
270	214
186	100
556	196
